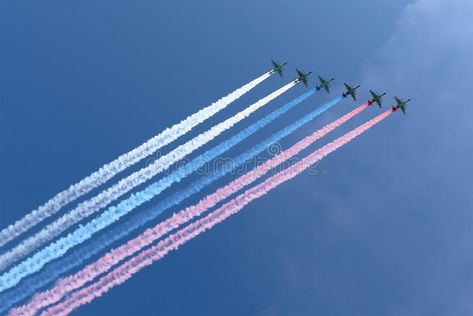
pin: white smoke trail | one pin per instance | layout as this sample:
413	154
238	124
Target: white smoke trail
60	247
111	169
133	265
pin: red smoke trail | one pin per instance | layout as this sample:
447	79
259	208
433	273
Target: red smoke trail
125	271
102	265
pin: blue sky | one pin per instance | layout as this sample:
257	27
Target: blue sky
385	228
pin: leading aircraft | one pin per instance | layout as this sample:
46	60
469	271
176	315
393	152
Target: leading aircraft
324	83
302	77
401	105
277	68
377	98
351	91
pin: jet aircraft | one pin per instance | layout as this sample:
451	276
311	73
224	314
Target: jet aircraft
324	83
401	105
351	91
277	68
302	77
377	98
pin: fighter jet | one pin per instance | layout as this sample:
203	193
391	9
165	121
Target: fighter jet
277	68
351	91
377	98
401	105
324	83
302	77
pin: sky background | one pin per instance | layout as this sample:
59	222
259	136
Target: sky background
384	228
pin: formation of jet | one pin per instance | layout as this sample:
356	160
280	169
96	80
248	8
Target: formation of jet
324	83
377	98
401	105
302	77
351	91
277	68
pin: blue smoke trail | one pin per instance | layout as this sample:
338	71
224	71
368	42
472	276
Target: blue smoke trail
125	185
114	213
80	255
111	169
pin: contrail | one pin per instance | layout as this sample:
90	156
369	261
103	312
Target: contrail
111	169
80	255
147	257
102	265
61	246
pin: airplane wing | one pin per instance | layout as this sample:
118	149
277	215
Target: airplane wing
304	81
399	101
275	64
347	86
279	71
327	88
299	73
403	109
377	98
353	94
322	80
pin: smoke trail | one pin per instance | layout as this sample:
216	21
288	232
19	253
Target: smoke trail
60	247
126	270
80	255
111	169
114	257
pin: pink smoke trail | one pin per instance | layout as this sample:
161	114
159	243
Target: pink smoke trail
125	271
112	258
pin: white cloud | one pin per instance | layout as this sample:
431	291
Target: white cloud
431	50
413	173
429	58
